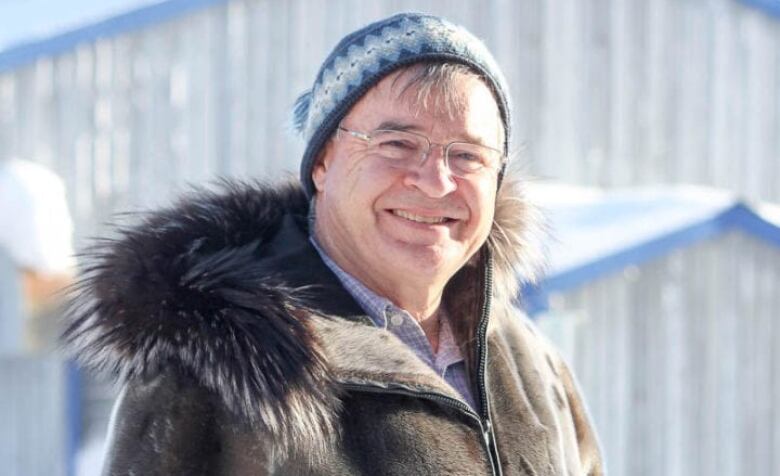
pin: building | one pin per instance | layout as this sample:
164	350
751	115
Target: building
664	301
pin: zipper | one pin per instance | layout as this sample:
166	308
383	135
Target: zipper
483	418
485	428
487	296
436	397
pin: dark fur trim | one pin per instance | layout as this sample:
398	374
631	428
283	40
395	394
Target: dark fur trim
184	288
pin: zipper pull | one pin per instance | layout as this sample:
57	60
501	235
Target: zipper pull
491	447
487	433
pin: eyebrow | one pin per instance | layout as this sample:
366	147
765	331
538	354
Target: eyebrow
394	125
398	126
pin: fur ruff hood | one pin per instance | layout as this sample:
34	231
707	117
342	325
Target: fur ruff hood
186	286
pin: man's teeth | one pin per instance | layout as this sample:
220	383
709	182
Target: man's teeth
418	218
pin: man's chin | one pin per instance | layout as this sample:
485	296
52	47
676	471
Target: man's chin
422	258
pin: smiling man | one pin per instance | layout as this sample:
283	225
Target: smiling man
402	214
359	324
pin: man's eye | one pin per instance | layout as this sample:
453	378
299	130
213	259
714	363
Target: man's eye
465	156
397	144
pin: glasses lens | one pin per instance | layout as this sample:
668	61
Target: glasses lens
465	158
402	148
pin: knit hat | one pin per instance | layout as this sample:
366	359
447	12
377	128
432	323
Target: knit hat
364	57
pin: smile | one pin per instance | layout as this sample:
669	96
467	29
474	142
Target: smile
420	218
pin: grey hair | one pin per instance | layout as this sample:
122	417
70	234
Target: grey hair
432	87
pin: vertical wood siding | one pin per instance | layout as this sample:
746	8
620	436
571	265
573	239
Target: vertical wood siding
32	416
678	360
606	92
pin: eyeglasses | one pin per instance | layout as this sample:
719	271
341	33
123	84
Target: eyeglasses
406	150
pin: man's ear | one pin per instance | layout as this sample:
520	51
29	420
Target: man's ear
321	164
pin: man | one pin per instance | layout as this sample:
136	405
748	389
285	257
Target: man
362	325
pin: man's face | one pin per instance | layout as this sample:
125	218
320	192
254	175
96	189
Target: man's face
383	224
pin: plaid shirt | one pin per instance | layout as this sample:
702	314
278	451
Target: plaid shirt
448	362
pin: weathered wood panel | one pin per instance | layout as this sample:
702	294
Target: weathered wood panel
607	92
678	359
33	426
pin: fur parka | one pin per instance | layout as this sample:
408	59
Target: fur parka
240	353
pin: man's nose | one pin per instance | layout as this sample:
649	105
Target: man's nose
433	177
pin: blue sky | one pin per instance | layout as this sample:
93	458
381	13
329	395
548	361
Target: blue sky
22	21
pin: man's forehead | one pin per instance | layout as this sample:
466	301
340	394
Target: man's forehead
405	86
399	102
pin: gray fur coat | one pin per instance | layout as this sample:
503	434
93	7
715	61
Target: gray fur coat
241	354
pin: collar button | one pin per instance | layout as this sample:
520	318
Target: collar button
397	320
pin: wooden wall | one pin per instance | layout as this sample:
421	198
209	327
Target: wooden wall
33	416
606	92
678	360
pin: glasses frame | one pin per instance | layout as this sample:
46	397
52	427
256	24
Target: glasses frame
366	136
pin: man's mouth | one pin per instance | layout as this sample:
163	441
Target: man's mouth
431	220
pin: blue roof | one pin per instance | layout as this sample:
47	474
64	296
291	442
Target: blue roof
771	7
598	233
26	21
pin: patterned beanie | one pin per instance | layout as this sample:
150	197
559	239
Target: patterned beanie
364	57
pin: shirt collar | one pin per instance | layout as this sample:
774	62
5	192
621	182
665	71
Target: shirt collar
379	308
376	306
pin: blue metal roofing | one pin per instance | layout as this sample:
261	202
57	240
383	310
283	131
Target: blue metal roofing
599	236
143	17
772	7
